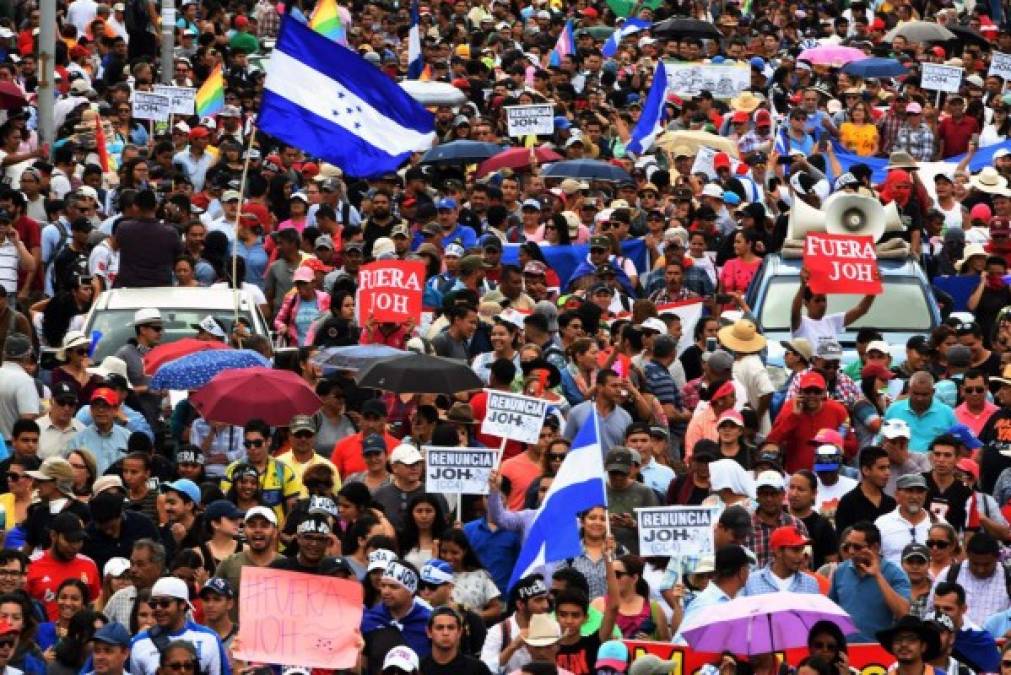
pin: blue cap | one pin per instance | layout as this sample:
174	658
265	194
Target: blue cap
222	508
114	634
562	122
757	62
965	436
218	586
632	98
613	654
731	198
185	487
717	59
446	203
437	572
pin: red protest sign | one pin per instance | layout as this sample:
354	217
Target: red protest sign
390	291
867	659
841	263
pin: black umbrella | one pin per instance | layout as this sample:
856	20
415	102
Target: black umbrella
683	27
420	374
586	169
461	152
966	35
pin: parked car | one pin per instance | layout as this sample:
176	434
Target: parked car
112	313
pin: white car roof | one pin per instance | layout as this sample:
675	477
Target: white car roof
173	297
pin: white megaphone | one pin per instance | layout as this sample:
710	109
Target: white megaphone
854	214
804	218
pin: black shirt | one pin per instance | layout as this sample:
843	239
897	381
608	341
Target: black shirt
100	547
194	535
950	504
996	453
580	657
691	361
38	520
824	540
855	507
461	665
684	492
147	252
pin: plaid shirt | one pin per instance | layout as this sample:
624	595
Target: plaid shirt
845	390
888	129
751	141
758	540
918	142
664	295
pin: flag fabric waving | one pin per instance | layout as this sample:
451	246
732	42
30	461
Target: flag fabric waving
653	114
326	20
333	104
415	58
579	485
628	28
210	98
565	46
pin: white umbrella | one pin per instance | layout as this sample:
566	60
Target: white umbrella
427	92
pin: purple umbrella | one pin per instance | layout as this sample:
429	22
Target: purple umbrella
761	624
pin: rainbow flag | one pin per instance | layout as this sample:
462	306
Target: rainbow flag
326	20
211	95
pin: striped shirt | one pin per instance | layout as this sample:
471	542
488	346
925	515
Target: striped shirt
9	263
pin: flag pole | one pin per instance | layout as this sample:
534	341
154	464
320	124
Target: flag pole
607	514
238	216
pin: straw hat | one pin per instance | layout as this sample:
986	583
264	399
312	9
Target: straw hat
970	251
901	160
988	180
745	101
742	336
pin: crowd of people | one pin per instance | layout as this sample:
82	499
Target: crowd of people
875	473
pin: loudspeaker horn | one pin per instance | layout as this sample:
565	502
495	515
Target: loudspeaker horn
893	221
804	218
854	214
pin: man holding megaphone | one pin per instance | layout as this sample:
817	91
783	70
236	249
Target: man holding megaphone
818	325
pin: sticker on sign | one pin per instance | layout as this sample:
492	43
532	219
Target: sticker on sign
462	471
524	120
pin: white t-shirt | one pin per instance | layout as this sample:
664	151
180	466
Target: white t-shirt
754	376
829	495
826	328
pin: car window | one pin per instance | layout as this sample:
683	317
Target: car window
902	307
115	326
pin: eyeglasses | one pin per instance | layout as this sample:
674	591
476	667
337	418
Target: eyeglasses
818	644
11	573
974	390
13	476
556	456
303	434
852	546
252	443
161	603
938	543
181	665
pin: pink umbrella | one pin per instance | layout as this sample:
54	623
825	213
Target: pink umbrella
761	624
237	396
831	55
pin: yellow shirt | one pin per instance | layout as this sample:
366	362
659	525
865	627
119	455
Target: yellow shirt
277	484
861	139
289	459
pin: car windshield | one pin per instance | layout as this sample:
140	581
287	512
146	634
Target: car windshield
116	326
902	307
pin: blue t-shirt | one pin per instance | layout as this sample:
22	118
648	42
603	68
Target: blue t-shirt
862	599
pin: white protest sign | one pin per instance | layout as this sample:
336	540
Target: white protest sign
1000	65
676	530
462	471
512	416
704	162
183	98
936	77
524	120
148	106
691	79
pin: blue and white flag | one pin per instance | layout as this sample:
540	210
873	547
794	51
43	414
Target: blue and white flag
323	98
415	59
630	27
653	114
579	485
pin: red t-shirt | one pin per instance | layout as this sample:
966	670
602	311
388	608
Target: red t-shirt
956	135
47	573
479	406
347	453
30	235
793	433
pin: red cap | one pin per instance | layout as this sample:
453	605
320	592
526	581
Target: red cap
310	169
877	370
980	212
199	132
721	160
787	536
739	117
762	118
827	437
105	394
938	51
317	265
726	389
878	24
590	12
969	466
811	379
241	22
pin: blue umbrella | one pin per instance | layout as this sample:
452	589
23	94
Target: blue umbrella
354	358
460	152
875	67
586	169
195	370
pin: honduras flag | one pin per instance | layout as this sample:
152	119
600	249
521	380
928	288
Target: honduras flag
323	98
579	485
415	59
653	114
628	28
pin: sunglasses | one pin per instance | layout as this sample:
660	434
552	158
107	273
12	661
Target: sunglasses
974	390
7	643
253	444
83	351
818	644
938	543
181	665
303	434
161	603
13	476
156	328
812	391
556	456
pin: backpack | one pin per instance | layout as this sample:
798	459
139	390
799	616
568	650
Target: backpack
136	16
955	568
60	245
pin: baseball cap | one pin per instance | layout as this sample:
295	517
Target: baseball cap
69	526
301	423
185	487
877	346
446	203
812	380
618	459
965	436
911	480
827	458
106	395
437	572
222	508
918	343
896	428
373	407
613	654
787	536
373	443
218	586
830	350
405	453
116	567
402	658
914	550
261	512
772	479
171	587
114	633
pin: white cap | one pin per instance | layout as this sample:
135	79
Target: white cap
877	346
895	428
772	479
827	450
209	324
171	587
87	191
401	657
405	453
383	248
453	250
115	567
182	127
379	558
108	482
262	511
712	190
146	315
653	323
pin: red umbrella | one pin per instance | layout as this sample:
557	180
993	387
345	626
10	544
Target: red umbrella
171	351
517	158
237	396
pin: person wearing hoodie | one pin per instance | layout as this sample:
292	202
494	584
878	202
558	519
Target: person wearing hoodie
974	646
400	618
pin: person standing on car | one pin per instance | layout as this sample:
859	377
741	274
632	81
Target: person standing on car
148	247
148	330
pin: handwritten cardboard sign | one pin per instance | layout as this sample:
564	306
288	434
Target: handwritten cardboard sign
390	291
524	120
941	78
462	471
513	416
842	263
291	618
148	106
675	530
182	99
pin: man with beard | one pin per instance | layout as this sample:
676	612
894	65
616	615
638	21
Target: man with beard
61	561
260	529
909	522
381	221
913	643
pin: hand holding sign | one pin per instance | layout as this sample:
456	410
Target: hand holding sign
389	291
841	263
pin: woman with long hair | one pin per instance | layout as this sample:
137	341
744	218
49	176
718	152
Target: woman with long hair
473	587
859	135
354	543
945	548
72	595
115	577
73	368
590	561
580	374
941	340
639	618
556	231
73	649
826	641
142	614
869	409
17	609
244	491
63	312
319	481
737	273
185	272
733	445
530	251
998	128
85	472
418	537
504	336
379	549
222	523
